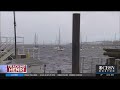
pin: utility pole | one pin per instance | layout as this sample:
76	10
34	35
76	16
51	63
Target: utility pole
119	28
0	30
15	35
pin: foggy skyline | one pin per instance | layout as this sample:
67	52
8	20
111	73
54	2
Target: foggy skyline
96	26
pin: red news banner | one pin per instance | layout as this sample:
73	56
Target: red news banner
17	68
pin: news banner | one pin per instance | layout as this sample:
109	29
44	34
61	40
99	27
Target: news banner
16	70
20	70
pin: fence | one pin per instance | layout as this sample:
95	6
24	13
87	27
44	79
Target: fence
88	64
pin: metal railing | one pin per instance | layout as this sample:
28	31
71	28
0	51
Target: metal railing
88	64
6	43
7	47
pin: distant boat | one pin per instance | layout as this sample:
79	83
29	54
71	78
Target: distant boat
59	47
81	49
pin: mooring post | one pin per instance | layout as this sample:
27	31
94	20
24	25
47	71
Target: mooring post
44	68
76	43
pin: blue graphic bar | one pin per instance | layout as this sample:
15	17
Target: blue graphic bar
105	73
13	75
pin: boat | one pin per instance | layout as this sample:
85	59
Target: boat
59	47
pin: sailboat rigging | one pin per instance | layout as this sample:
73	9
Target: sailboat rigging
59	48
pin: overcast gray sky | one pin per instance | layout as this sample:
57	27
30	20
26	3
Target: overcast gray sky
95	25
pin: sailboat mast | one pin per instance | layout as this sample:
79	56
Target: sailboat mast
115	37
59	36
43	43
56	41
81	39
86	38
35	40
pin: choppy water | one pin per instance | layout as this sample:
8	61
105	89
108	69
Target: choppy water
90	56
